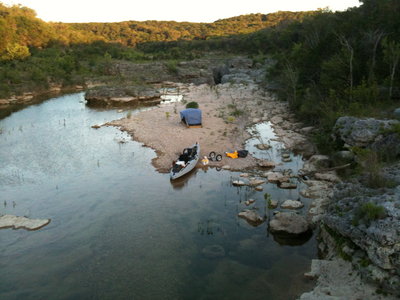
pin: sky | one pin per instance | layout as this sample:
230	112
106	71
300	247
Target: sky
166	10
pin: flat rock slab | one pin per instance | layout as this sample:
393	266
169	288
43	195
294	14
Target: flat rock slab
15	222
238	183
287	185
276	177
256	182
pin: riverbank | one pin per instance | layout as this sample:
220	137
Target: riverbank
228	110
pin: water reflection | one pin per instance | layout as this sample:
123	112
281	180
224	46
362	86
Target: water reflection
183	181
121	230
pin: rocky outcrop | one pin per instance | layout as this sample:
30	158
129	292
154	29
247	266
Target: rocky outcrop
369	219
388	145
361	132
336	279
123	96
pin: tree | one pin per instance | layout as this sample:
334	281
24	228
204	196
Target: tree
391	51
350	50
373	39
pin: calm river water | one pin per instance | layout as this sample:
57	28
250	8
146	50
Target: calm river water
119	229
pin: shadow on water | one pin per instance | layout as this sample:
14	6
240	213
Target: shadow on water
292	240
119	229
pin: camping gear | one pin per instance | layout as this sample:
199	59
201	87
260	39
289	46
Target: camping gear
213	156
232	154
191	117
242	153
237	154
186	162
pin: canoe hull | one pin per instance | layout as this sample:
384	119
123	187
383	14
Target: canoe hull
189	166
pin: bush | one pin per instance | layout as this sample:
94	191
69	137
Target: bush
368	212
192	104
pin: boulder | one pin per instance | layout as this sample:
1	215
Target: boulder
289	223
292	204
266	164
317	189
388	146
251	216
360	132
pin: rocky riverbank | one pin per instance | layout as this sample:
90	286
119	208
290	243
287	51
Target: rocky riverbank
360	226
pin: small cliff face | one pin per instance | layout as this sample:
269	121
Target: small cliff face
362	222
123	96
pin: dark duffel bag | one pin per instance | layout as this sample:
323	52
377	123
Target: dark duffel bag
242	153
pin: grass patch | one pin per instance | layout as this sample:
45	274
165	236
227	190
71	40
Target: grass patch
367	213
192	104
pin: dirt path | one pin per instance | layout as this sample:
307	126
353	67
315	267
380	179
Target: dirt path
227	110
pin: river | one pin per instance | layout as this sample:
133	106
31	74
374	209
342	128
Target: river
119	229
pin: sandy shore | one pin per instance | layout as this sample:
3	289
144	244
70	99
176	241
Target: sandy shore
227	110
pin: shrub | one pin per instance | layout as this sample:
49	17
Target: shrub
192	104
368	212
172	66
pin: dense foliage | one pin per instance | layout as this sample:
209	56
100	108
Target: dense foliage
336	63
35	54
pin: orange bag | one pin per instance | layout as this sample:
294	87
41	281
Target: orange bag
232	155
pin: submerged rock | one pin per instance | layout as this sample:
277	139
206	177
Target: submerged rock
238	183
251	216
213	251
15	222
256	182
263	146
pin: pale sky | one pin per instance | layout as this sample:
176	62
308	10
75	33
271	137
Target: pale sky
177	10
